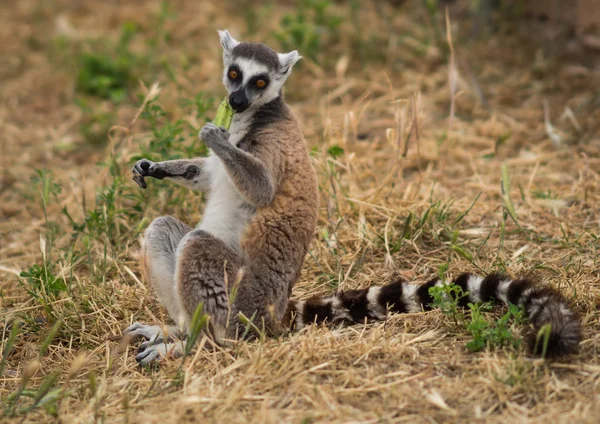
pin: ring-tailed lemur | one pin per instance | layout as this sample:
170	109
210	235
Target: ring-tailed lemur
247	252
260	213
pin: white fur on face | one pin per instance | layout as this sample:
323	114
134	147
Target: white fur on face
250	69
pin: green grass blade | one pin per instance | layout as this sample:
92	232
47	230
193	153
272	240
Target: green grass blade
50	337
10	342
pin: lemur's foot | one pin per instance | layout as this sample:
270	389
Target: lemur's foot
153	334
159	339
146	168
160	351
148	332
213	136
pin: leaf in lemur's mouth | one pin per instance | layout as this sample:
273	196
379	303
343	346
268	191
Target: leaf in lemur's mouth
224	115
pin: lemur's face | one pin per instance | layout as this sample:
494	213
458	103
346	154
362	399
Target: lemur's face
254	74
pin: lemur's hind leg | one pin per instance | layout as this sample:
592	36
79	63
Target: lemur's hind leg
209	272
158	259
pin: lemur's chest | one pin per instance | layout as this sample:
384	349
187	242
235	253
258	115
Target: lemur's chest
227	213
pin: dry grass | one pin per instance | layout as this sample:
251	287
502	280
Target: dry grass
401	155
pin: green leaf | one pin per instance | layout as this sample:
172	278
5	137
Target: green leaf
335	151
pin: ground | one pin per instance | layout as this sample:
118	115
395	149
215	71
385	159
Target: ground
434	157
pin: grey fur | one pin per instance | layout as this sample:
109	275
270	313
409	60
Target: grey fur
186	172
259	53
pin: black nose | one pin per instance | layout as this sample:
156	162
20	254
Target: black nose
238	101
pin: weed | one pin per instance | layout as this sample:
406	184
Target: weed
446	298
485	333
169	138
108	75
497	333
41	281
335	151
307	28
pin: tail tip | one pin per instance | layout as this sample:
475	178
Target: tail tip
561	342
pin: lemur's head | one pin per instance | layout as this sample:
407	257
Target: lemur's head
254	73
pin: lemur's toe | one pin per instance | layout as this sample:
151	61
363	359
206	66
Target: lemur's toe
147	356
158	352
138	329
151	342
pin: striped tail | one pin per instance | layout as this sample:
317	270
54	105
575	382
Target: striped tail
543	305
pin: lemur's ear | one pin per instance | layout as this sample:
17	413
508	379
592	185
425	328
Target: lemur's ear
228	43
287	60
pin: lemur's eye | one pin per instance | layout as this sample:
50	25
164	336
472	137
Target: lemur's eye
261	83
233	74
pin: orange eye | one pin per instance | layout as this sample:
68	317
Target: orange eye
261	83
233	74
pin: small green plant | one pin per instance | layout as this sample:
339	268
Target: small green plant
108	74
496	333
446	298
335	151
170	138
308	27
485	333
41	280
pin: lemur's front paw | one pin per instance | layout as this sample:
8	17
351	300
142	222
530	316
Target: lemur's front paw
213	136
145	168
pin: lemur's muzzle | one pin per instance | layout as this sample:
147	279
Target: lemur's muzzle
238	101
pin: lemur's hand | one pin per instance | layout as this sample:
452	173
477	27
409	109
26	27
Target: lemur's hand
145	168
214	136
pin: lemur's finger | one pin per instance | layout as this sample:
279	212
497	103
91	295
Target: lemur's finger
139	179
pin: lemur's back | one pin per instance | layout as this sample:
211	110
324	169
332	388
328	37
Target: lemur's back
279	235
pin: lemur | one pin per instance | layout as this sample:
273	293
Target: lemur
261	212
